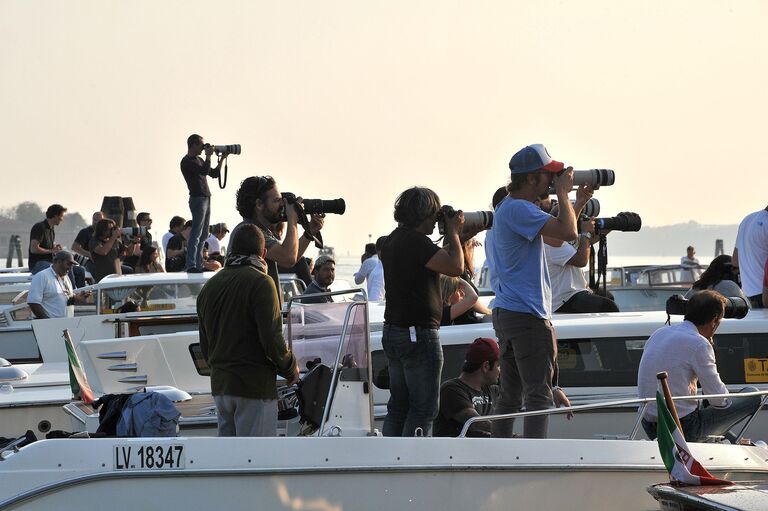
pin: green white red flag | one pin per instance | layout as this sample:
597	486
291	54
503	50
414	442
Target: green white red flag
77	380
681	465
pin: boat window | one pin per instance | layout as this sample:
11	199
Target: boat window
148	298
453	360
608	362
582	362
19	347
22	314
742	358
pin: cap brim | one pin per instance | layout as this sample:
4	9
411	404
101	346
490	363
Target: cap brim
553	166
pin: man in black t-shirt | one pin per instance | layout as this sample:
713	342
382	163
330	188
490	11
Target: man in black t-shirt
42	238
83	240
412	268
473	393
177	253
144	219
195	171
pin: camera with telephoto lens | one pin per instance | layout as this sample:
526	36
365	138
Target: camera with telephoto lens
625	222
473	220
591	208
313	206
735	306
228	149
592	177
135	231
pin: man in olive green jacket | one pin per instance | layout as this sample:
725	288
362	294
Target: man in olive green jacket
241	339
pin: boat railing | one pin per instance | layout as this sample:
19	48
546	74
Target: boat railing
641	402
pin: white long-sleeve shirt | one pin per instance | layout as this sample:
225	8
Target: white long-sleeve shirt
687	357
372	270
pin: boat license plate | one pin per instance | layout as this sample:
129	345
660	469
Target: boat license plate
149	457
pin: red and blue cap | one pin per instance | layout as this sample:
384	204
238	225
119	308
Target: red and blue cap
482	350
532	158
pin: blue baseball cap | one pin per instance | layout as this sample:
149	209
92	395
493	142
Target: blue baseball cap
532	158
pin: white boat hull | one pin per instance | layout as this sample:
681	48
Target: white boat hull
354	473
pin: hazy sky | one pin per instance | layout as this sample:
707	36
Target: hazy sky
362	99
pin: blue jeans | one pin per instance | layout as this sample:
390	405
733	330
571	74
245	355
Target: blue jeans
414	379
201	219
39	266
711	421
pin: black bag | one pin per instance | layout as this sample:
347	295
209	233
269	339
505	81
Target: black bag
175	263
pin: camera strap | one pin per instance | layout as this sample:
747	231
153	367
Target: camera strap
304	222
226	170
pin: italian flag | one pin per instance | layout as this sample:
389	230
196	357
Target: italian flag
77	379
682	467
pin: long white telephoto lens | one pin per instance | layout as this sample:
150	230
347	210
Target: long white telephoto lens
230	149
594	177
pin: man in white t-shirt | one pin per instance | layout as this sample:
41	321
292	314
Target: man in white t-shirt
218	232
373	271
565	261
50	293
751	253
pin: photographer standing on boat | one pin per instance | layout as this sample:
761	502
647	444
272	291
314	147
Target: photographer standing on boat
242	340
195	170
260	203
751	253
685	351
523	306
412	267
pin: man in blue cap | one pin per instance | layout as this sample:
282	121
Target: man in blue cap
523	305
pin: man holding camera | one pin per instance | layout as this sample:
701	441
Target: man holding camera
260	202
195	170
42	244
523	306
410	338
685	351
241	338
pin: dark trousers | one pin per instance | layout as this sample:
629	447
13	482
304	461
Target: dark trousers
757	301
705	422
414	379
586	301
528	353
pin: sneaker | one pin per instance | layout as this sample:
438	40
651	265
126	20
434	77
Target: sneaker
194	270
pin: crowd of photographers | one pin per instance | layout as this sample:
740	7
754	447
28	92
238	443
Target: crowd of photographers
535	249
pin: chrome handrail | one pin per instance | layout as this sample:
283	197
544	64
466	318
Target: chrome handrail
609	404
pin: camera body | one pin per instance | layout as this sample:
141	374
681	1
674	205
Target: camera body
735	306
228	149
135	231
625	221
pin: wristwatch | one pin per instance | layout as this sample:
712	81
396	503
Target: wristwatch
587	235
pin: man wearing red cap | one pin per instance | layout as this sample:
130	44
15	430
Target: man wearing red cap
473	393
523	305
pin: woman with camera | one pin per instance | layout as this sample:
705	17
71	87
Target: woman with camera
720	276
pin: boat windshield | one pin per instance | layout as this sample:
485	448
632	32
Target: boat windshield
147	298
314	331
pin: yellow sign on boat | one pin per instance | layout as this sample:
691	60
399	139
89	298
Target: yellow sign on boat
756	370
